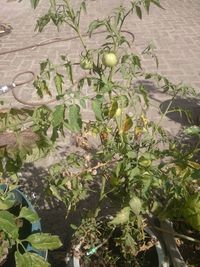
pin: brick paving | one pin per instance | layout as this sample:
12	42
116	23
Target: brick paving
175	31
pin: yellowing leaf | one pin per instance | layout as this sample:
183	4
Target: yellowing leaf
194	165
113	109
127	124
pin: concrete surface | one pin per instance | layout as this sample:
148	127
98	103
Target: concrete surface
175	31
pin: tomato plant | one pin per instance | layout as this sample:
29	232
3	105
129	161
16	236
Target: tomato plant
133	164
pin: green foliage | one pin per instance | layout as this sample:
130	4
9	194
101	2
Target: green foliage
191	211
44	241
10	229
134	166
28	214
30	259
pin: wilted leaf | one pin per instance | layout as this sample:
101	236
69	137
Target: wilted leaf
122	217
130	244
127	124
113	109
194	165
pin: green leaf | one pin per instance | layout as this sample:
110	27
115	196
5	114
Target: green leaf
191	211
136	205
41	86
58	115
75	121
68	67
123	101
147	5
7	224
83	103
28	214
55	192
7	202
44	241
119	168
138	12
157	3
122	217
73	226
83	6
22	260
134	172
113	109
37	261
34	3
96	106
29	259
193	130
58	80
94	25
43	65
144	93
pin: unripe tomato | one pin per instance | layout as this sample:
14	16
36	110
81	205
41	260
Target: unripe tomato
86	63
109	59
118	112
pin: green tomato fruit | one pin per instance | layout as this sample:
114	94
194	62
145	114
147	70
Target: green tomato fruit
86	63
109	59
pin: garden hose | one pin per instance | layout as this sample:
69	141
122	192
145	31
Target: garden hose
55	40
39	103
5	88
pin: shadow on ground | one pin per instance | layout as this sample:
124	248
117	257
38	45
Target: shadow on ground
51	212
185	111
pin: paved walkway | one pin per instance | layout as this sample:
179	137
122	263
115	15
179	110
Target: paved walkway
175	32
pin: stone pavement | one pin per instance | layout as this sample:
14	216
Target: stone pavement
175	31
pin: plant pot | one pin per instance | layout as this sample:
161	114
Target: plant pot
27	229
163	260
171	246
